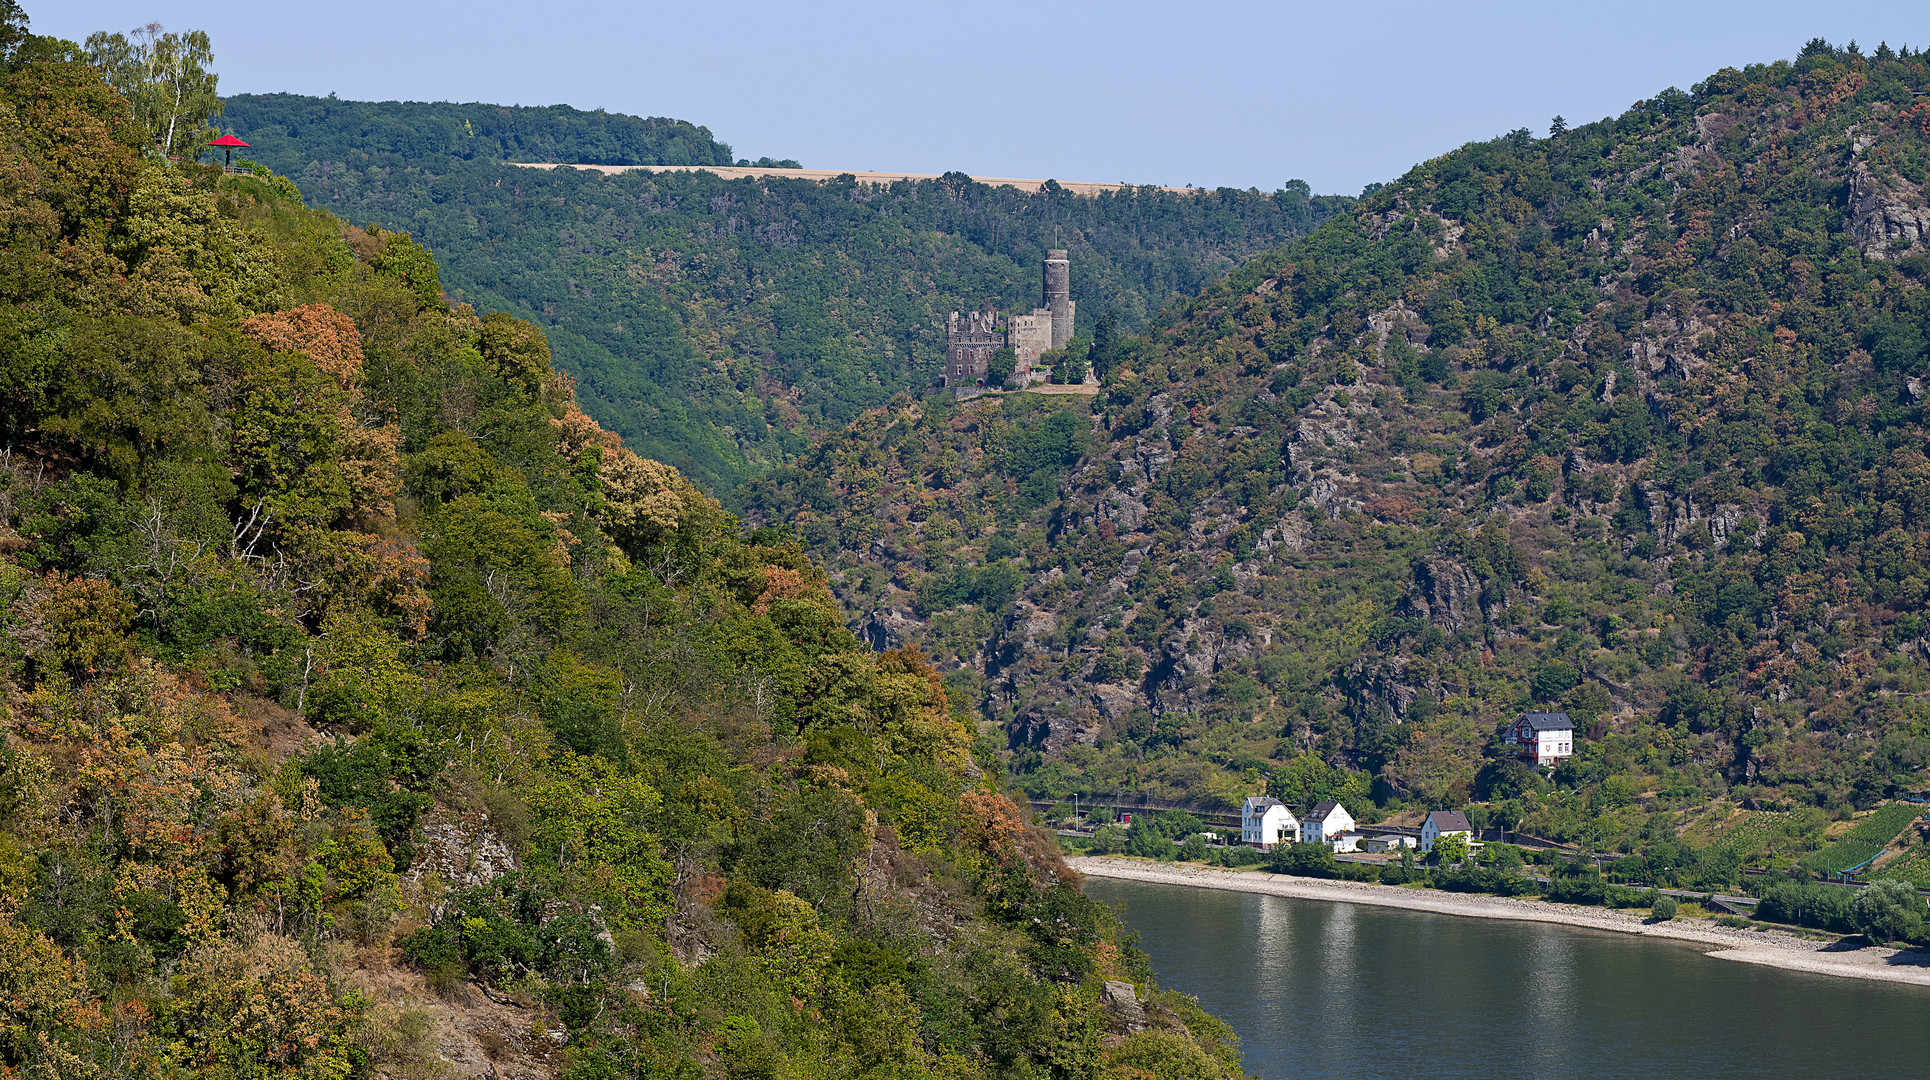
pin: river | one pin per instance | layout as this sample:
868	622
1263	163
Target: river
1320	990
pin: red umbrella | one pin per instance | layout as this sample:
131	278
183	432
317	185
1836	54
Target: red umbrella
228	143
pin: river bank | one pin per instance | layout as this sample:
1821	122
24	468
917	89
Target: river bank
1767	948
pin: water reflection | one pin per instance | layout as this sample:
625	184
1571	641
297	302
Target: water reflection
1321	990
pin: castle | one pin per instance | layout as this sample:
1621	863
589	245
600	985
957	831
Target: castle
972	338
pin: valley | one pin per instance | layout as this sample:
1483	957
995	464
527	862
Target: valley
525	591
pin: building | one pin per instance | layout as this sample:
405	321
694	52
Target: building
1544	738
972	338
1325	822
1387	842
1439	823
1264	821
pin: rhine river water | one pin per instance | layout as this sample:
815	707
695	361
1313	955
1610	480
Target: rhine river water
1322	990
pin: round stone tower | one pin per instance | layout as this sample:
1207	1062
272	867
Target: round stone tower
1058	295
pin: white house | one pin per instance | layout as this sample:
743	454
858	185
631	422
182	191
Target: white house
1325	822
1263	821
1545	738
1439	823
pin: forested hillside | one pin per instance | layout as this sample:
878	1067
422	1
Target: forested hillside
1626	421
367	710
717	325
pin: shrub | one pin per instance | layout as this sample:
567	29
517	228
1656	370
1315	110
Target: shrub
1585	888
1478	879
1241	855
1887	911
1621	896
1145	841
1303	860
1808	903
1664	908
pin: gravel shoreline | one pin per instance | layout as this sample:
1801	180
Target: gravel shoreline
1768	948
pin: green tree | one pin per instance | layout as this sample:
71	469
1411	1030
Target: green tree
1449	850
1000	367
166	81
1664	908
1104	350
1304	860
1145	840
1193	848
13	31
1888	910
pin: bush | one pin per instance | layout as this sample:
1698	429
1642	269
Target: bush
1145	841
1241	855
1304	860
1479	879
1808	903
507	929
1621	896
1663	910
1584	888
1888	911
1108	840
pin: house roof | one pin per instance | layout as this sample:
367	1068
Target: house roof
1549	721
1322	809
1261	803
1450	821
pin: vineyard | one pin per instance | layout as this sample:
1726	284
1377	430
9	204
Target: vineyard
1746	833
1864	842
1913	867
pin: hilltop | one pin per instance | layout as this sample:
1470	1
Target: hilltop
720	324
1626	421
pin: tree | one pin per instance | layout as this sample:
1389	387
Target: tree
1193	849
1888	910
1663	910
1449	850
1103	353
1304	860
1068	368
1557	127
1146	841
1000	367
166	81
13	31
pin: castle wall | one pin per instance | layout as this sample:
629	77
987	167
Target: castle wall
970	341
1030	335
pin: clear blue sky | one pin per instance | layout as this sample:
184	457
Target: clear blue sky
1209	93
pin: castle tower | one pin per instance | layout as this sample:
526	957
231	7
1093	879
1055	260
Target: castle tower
1058	295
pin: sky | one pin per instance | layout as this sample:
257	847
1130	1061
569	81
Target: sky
1207	93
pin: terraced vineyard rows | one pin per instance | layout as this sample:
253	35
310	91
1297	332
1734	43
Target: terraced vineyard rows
1864	842
1747	832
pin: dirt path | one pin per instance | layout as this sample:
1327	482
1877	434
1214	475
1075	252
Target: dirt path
737	172
1767	948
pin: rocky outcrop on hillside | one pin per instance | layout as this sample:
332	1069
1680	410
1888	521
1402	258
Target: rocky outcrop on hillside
1888	216
1607	422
